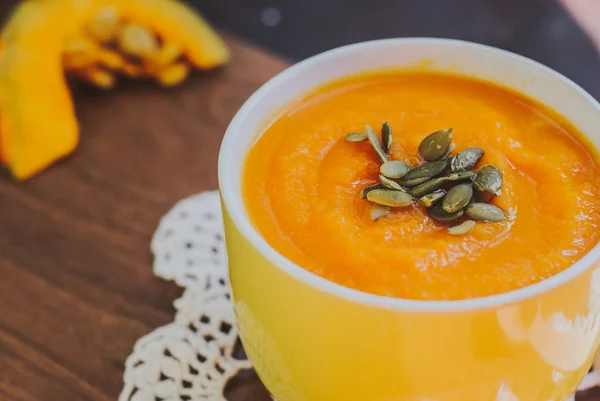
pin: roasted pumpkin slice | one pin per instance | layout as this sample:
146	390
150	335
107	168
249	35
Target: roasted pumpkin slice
37	119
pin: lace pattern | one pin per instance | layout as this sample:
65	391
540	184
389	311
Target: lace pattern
193	357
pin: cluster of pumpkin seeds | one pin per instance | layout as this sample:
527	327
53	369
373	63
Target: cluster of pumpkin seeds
449	186
109	45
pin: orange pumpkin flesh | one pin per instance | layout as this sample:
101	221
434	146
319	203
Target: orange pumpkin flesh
37	120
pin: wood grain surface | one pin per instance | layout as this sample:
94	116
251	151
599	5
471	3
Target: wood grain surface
76	283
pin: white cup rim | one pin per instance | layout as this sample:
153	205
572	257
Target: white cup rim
227	184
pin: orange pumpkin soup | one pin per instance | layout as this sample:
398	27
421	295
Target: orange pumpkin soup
302	184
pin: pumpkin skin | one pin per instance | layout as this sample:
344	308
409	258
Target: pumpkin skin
37	119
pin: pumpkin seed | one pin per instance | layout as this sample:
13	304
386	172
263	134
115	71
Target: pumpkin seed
390	197
366	190
390	183
458	197
437	213
432	198
355	137
466	160
427	187
435	145
463	175
485	212
100	77
463	228
105	24
386	136
173	75
431	185
376	145
449	151
378	211
424	172
489	178
137	40
394	169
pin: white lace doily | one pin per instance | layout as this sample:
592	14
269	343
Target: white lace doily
192	359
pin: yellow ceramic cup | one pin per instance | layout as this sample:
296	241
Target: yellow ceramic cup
313	340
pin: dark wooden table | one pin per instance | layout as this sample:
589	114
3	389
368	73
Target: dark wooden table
76	282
